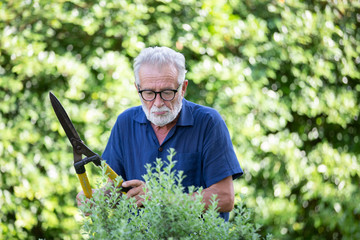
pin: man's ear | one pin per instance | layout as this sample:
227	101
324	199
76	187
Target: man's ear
136	86
184	87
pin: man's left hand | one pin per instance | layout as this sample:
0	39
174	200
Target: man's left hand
136	191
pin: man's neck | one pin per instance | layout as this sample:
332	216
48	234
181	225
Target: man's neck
162	131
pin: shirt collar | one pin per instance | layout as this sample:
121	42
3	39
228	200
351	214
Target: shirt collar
185	119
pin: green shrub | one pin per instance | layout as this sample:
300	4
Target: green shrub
168	212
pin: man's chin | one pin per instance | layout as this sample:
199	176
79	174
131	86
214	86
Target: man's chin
160	122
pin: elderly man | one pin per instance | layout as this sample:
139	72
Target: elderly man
166	120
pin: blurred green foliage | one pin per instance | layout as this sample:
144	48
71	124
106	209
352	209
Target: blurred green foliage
284	74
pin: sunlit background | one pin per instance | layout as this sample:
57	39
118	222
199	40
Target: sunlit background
283	74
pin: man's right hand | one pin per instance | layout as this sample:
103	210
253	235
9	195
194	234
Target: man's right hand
81	196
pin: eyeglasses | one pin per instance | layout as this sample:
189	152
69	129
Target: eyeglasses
166	95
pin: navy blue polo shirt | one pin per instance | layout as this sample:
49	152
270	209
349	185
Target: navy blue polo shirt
204	151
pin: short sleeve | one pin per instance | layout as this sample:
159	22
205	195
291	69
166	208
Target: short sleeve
220	160
112	152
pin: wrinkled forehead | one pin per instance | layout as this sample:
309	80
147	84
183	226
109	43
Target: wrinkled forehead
150	74
159	67
156	70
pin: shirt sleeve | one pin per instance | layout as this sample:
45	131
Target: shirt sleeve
220	160
112	153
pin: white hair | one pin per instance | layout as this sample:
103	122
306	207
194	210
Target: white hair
160	56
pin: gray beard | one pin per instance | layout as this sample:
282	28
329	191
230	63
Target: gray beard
165	119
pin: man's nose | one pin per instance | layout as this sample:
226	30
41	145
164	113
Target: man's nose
158	101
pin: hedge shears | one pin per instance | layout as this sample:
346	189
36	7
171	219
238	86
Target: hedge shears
79	149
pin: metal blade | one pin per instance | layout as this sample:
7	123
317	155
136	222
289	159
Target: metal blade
63	118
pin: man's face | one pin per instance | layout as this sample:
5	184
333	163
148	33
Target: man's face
158	111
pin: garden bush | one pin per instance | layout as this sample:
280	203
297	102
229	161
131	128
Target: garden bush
168	213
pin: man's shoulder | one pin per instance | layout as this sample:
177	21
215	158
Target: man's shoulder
131	111
200	109
203	113
129	114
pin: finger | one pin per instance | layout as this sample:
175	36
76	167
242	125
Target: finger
139	203
78	196
132	183
133	187
134	191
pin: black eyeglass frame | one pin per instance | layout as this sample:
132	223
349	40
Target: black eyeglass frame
160	93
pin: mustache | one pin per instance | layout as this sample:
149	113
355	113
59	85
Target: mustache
162	109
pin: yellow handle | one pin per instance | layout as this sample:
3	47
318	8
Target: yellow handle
84	181
112	175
